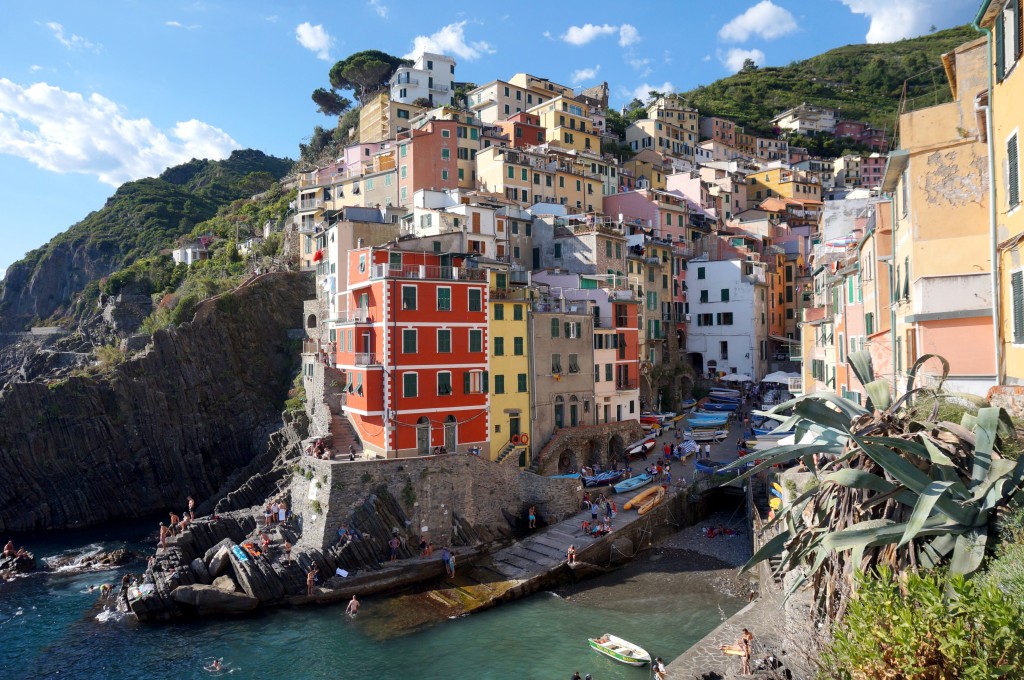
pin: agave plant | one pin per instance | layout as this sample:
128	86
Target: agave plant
893	489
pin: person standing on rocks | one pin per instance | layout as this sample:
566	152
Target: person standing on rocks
532	513
191	507
394	544
282	512
163	535
311	581
267	514
174	522
288	551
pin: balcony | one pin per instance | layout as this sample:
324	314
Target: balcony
407	81
427	272
311	205
509	294
354	316
625	384
437	88
367	359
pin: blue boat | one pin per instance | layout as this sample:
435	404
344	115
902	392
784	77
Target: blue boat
709	414
571	475
604	478
710	422
724	399
633	483
720	406
688	404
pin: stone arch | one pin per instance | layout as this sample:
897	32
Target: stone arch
616	448
451	434
567	461
592	451
311	321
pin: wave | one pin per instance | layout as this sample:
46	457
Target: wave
108	615
77	560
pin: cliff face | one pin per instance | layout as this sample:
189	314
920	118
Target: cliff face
174	422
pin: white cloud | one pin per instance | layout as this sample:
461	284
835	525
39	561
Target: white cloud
35	67
765	19
898	19
581	35
641	91
547	34
450	40
380	8
628	35
584	74
178	24
64	131
733	59
706	57
72	42
315	39
272	18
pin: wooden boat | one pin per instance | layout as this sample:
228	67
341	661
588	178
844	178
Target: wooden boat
650	420
639	499
604	478
712	436
725	391
620	650
651	502
724	399
640	448
720	406
708	467
633	483
688	404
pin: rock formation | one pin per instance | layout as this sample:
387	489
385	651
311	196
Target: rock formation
177	420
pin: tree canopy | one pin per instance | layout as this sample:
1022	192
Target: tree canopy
365	72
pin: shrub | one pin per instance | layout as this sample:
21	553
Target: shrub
315	505
109	356
908	627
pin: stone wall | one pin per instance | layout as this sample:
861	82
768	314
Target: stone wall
1010	397
436	493
573	447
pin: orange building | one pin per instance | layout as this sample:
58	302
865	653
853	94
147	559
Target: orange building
413	345
523	129
427	159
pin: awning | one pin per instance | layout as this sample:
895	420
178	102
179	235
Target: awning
779	338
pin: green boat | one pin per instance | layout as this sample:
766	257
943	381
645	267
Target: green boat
620	650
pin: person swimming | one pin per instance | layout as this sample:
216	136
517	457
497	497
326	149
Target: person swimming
215	666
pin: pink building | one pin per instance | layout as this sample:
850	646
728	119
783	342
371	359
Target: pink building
718	129
872	170
659	213
427	159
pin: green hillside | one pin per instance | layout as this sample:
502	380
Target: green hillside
864	81
140	219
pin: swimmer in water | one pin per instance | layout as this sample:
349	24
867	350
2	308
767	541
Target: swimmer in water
353	607
214	666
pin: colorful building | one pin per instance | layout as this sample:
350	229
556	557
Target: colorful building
510	349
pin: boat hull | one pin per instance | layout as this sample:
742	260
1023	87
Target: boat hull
719	406
633	483
633	656
639	499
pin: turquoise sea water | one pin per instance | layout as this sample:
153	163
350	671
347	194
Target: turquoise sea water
51	628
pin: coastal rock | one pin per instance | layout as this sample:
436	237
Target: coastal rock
12	564
215	549
180	418
226	583
213	600
91	561
220	562
199	571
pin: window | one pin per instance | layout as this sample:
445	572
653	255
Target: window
474	300
574	363
517	347
1013	171
517	312
476	340
724	319
409	341
444	383
499	312
725	295
700	272
404	171
723	349
704	296
446	133
554	327
408	297
608	372
521	382
474	382
499	384
444	174
1008	38
444	299
556	363
705	319
1017	287
608	248
444	341
499	347
445	153
501	281
403	150
410	385
558	251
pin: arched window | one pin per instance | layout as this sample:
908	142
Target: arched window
450	434
311	321
559	412
423	436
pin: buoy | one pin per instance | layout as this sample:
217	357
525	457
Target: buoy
515	439
524	438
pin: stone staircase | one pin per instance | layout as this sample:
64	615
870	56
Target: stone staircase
509	454
343	435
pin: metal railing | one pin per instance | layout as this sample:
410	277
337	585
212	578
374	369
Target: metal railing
358	315
625	384
386	271
367	359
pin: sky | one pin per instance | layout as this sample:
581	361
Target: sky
93	94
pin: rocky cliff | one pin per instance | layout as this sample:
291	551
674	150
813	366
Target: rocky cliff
176	420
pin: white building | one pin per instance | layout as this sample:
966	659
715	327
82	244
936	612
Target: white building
807	119
190	253
432	77
728	317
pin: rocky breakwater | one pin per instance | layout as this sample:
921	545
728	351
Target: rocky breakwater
176	420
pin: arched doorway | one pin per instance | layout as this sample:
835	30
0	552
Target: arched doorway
574	411
616	448
559	412
311	321
567	461
697	361
450	434
592	452
423	436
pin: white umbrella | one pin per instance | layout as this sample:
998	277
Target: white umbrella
737	377
777	377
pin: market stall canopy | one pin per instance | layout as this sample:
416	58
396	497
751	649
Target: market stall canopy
737	377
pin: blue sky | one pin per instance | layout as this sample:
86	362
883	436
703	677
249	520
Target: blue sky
95	94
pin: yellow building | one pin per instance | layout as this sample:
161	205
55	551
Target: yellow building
381	119
509	370
1005	101
801	185
650	169
567	124
938	179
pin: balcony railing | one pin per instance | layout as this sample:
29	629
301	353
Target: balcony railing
509	294
625	384
386	271
438	88
354	316
367	359
311	205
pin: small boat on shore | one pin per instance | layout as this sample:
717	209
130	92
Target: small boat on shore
604	478
652	501
725	391
720	406
633	483
620	650
709	436
688	404
638	500
640	448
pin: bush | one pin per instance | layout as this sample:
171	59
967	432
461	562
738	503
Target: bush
109	356
908	627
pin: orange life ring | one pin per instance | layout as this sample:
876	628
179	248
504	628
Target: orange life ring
515	439
524	439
